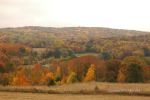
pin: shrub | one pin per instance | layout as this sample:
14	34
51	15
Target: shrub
50	82
57	78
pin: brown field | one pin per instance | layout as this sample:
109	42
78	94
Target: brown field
37	96
141	87
89	86
68	92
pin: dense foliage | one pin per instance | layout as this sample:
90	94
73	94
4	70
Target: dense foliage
55	56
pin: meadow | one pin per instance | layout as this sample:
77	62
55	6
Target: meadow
35	96
90	88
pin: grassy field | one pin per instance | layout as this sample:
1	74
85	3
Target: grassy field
85	54
85	88
36	96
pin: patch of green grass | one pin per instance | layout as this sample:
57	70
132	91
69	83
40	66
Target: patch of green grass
85	54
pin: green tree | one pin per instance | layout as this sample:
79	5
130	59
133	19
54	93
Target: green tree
105	55
57	53
9	66
71	53
146	51
22	51
131	70
90	46
134	73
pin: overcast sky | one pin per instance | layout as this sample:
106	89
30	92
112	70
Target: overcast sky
126	14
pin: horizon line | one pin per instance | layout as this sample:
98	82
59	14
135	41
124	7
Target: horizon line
74	27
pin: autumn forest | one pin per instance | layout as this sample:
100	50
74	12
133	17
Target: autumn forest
54	56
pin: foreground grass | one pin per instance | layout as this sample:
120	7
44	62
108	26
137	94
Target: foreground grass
35	96
85	88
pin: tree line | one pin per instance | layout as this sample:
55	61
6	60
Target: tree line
132	69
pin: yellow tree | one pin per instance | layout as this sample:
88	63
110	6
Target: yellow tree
47	78
50	75
90	75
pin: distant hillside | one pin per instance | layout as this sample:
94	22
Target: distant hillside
47	35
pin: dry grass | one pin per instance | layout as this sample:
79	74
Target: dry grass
35	96
39	50
86	88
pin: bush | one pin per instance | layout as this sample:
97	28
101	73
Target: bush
50	82
57	78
